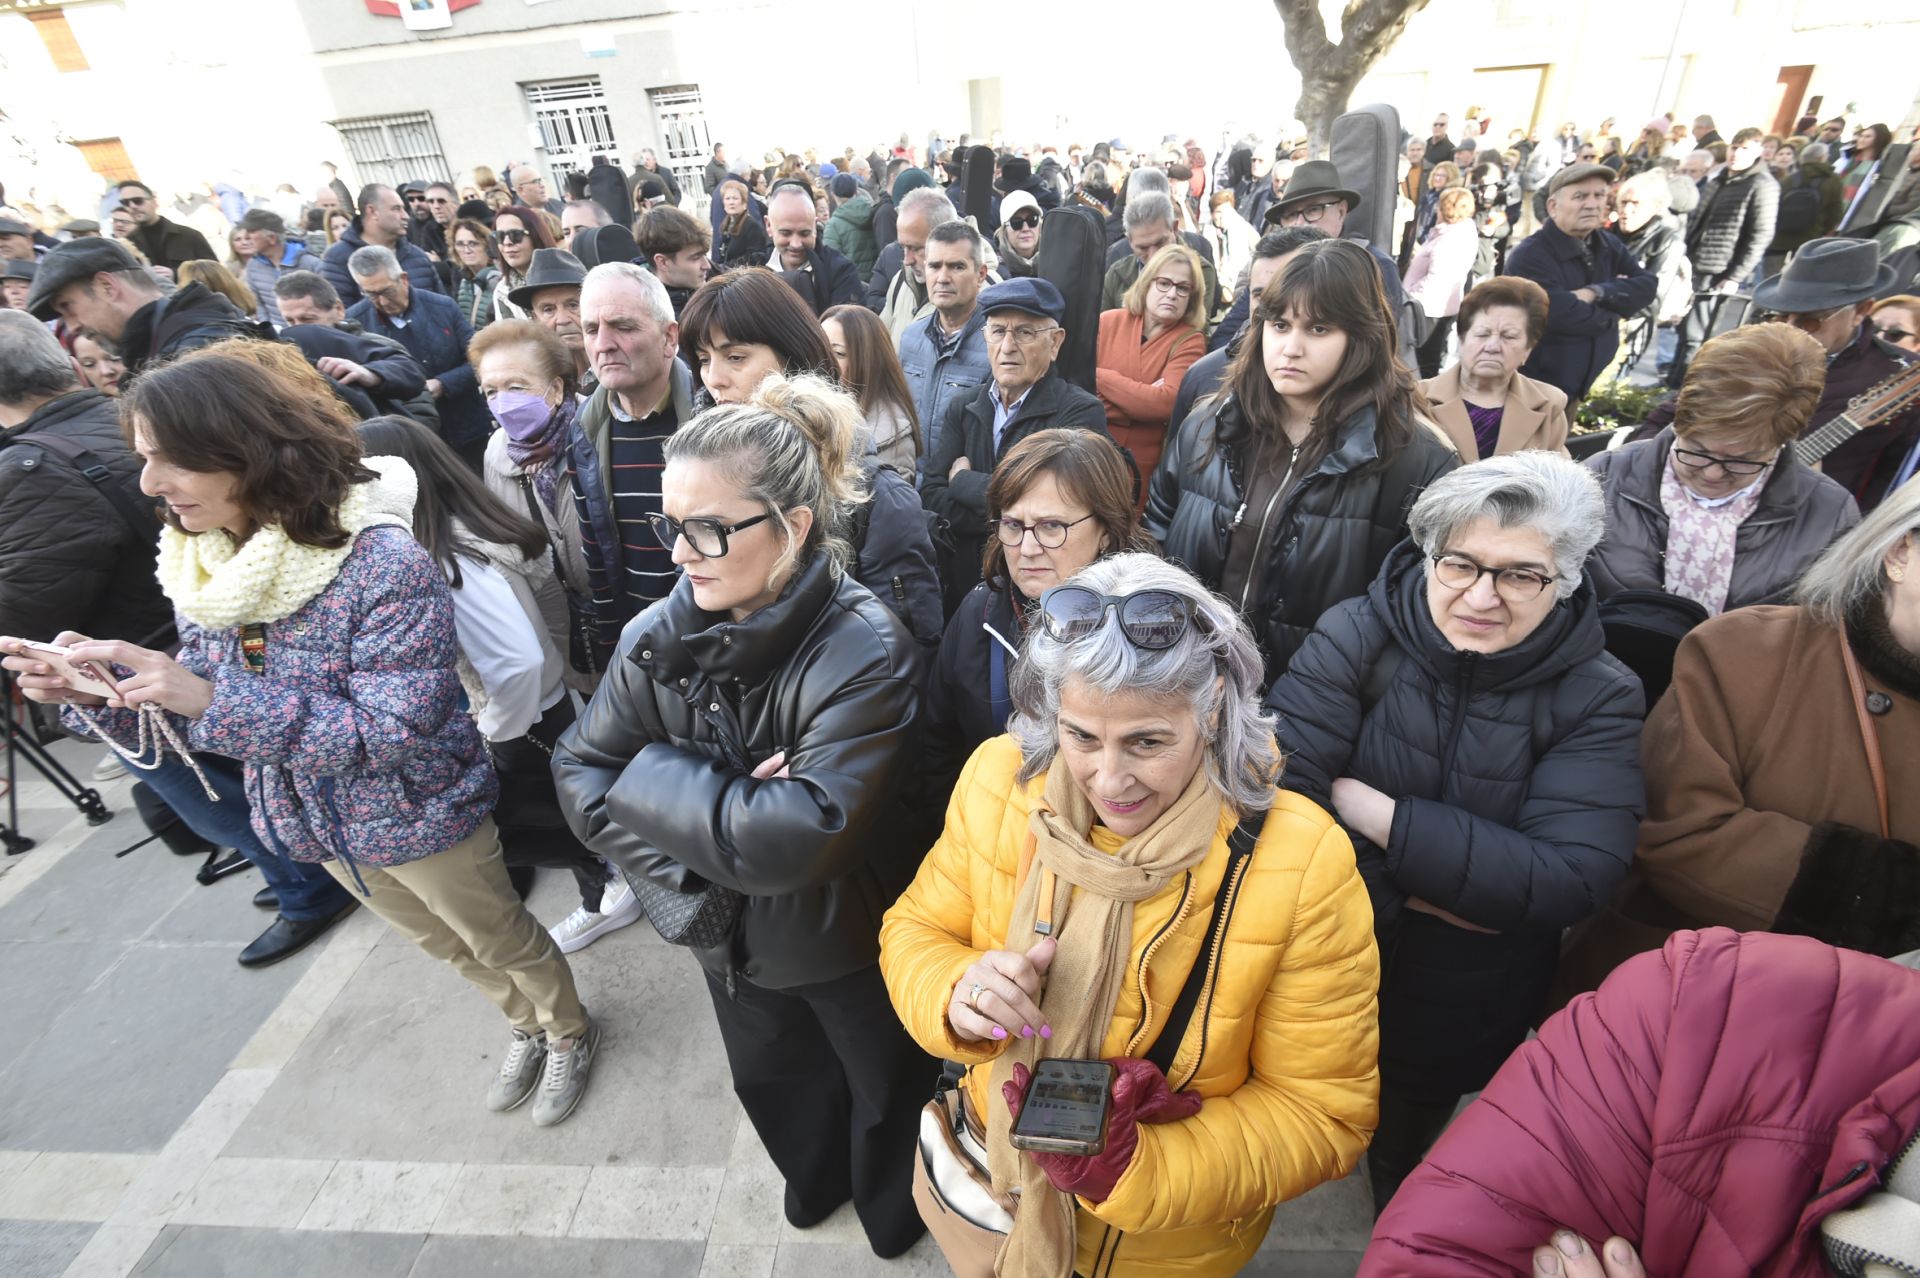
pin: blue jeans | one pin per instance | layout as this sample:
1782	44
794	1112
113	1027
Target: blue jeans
306	891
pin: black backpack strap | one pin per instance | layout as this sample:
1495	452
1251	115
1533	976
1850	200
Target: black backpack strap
144	525
1239	848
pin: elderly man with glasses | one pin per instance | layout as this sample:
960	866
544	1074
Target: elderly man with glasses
1023	394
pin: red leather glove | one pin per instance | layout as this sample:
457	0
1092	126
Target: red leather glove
1140	1095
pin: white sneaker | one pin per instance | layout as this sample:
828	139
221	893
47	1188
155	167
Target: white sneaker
109	768
618	908
520	1072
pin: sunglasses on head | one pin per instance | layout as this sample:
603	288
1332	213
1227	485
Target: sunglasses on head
1024	221
1151	619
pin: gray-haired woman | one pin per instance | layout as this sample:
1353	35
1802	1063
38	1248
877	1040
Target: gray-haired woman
1484	753
747	739
1122	845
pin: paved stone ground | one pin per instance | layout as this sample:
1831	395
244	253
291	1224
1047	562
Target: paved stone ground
166	1113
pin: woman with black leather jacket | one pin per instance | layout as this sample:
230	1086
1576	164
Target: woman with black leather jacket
1285	492
742	755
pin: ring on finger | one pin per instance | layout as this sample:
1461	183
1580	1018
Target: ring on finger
973	995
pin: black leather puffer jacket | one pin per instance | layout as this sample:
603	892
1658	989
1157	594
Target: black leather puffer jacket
1324	541
656	774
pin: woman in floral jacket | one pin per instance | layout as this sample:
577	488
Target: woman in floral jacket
318	648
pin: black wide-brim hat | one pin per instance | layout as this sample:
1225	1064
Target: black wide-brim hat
1315	179
1824	275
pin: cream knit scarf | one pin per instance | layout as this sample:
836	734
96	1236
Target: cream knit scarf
218	585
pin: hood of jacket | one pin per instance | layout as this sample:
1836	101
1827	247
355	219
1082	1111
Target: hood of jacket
858	211
1569	635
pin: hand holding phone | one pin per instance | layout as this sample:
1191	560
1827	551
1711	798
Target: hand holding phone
46	674
1139	1093
1064	1108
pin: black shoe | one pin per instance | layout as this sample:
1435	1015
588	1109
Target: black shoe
267	899
800	1216
285	938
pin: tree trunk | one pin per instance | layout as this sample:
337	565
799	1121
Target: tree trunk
1329	71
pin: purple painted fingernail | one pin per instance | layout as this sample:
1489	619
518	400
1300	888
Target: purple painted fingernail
1046	1031
1026	1031
998	1032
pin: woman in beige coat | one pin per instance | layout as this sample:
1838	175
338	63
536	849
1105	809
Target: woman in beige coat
1482	402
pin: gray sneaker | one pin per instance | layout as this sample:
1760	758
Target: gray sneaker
519	1073
564	1081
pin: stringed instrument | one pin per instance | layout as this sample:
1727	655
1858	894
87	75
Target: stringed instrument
1878	403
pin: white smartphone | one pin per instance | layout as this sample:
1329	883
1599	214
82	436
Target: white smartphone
81	676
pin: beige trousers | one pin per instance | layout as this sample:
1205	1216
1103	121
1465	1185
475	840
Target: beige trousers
457	905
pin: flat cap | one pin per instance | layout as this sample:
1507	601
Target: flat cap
1025	293
80	259
1580	173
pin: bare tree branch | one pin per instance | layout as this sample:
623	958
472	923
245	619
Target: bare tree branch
1329	71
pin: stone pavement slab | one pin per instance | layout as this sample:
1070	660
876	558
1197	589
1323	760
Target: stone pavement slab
202	1251
40	1248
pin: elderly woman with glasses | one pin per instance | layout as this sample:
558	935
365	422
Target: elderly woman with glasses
1716	508
1124	844
1145	347
1465	722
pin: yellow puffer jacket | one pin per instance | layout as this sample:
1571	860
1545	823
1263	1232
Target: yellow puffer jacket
1283	1044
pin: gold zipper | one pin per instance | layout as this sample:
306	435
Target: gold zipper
1205	1002
1146	957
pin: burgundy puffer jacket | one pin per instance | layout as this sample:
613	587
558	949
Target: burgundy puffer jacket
1709	1103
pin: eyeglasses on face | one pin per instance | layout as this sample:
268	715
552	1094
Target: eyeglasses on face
1889	332
1023	334
708	537
510	236
136	199
1178	288
1050	533
1515	585
1699	459
1311	214
1024	221
1805	320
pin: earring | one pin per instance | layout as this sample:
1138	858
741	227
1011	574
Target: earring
1897	574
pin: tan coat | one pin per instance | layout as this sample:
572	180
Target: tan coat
1535	415
1755	744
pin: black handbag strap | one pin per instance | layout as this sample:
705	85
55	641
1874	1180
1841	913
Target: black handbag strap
142	523
1239	848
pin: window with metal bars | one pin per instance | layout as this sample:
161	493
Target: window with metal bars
395	148
574	122
685	142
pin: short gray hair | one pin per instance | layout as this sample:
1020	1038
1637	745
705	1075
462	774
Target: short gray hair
370	260
1094	173
1215	667
1852	574
1148	207
600	216
33	367
659	305
938	208
1814	153
1143	181
1535	489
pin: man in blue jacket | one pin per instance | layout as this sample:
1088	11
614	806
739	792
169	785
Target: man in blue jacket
1592	280
944	356
383	221
433	329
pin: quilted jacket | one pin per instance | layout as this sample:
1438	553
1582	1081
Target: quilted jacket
1282	1048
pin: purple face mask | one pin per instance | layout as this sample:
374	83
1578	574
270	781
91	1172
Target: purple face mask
522	414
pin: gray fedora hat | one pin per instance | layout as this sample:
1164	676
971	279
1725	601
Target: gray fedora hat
550	268
1824	275
1315	178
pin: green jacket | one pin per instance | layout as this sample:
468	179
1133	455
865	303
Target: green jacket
850	233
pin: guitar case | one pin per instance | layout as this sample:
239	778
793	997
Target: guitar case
976	180
1073	258
1365	148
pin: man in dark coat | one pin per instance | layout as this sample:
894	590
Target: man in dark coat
716	171
96	285
165	243
647	165
1592	281
383	221
820	275
373	375
1024	395
1726	238
433	329
76	552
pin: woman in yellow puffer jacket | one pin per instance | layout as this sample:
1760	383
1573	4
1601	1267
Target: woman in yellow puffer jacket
1075	887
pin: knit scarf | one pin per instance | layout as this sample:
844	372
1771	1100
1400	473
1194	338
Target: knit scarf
534	454
1094	929
217	584
1700	540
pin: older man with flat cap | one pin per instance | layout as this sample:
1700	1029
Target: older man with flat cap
1022	395
1593	281
551	296
16	283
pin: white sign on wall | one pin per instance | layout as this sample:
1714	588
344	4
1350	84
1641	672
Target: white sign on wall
425	15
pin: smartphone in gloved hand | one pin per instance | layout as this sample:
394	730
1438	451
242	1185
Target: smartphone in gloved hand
1066	1107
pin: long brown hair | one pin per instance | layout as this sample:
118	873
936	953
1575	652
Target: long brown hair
1087	466
873	370
449	492
1335	282
292	453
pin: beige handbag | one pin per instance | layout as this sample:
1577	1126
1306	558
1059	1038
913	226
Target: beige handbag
953	1189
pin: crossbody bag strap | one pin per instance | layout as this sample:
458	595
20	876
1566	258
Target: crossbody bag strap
1869	735
1239	847
142	523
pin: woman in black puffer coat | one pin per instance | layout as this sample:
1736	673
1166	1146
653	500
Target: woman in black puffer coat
749	738
1483	751
1286	491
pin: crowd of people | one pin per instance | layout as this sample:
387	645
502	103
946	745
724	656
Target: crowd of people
1116	613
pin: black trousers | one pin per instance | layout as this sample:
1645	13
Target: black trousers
1409	1127
834	1086
533	830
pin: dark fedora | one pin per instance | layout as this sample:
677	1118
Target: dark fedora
1315	179
1825	275
1014	174
550	268
598	245
19	269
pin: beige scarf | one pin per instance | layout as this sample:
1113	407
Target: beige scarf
1094	929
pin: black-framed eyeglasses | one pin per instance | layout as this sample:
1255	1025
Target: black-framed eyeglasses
1024	221
510	236
1308	213
708	537
1151	619
1806	321
136	199
1698	459
1515	585
1050	533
